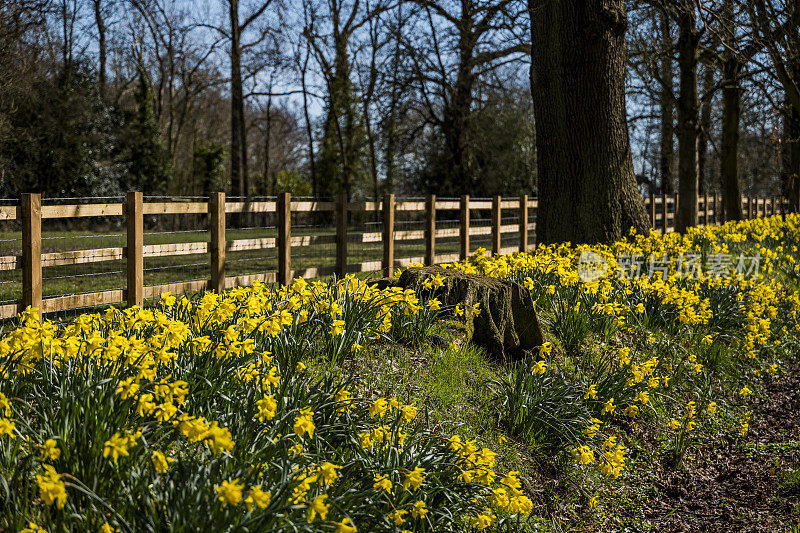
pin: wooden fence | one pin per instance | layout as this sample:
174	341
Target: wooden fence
710	209
31	212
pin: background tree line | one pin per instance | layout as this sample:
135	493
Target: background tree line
587	104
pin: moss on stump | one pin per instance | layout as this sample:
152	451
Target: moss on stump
507	325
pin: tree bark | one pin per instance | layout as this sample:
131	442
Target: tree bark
731	116
667	155
238	141
790	159
587	186
455	126
688	119
99	21
704	172
309	132
729	164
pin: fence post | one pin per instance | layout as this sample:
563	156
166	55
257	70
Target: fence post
388	235
523	223
31	210
772	207
664	211
497	220
284	238
341	235
134	220
464	230
216	221
705	209
716	208
652	207
430	230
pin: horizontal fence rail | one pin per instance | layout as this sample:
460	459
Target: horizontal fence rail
509	228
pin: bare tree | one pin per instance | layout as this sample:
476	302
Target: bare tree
777	23
462	41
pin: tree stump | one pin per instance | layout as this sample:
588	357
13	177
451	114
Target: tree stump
507	325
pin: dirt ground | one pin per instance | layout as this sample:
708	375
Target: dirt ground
735	487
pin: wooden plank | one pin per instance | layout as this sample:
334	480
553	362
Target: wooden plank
365	266
509	204
364	206
31	250
508	250
481	230
250	207
155	291
78	257
8	310
313	272
410	206
175	249
406	261
497	221
76	301
665	214
313	206
72	257
523	223
10	262
409	235
174	208
533	203
509	228
447	258
218	245
8	212
341	235
310	240
81	210
430	229
134	211
285	238
448	232
246	280
371	236
448	204
464	229
240	245
388	235
480	204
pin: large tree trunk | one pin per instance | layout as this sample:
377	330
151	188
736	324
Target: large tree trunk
456	127
667	104
790	159
731	113
688	119
587	187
